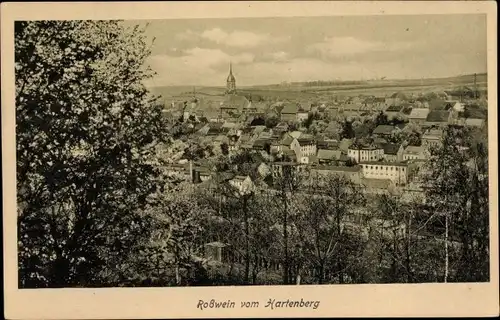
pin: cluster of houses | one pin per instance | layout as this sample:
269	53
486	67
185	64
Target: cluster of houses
378	165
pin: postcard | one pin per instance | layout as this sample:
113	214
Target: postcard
249	159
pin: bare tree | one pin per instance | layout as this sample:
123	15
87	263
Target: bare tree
321	221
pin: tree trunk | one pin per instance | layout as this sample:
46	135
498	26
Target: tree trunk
285	240
446	250
409	271
255	270
321	273
177	272
247	241
339	232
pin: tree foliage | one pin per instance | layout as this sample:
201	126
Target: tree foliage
86	127
458	192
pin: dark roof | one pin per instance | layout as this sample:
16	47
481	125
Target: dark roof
394	108
448	105
383	129
438	116
306	140
391	148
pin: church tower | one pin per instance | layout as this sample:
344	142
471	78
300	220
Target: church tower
231	81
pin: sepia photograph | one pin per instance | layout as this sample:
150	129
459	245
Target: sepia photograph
270	151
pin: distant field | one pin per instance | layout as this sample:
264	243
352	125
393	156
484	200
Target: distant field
304	91
186	91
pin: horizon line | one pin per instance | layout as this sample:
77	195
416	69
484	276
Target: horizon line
331	80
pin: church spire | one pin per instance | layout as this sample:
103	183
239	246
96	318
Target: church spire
231	81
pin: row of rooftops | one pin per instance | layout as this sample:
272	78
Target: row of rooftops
438	110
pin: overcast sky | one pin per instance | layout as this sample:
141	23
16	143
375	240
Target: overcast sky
273	50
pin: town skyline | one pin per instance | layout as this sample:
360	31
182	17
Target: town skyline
265	51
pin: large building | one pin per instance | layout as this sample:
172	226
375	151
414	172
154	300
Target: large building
360	153
394	171
231	81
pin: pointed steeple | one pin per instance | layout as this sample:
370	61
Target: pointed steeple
231	81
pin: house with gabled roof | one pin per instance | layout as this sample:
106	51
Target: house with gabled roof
393	152
432	137
418	115
477	123
286	142
415	153
289	112
307	145
438	118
